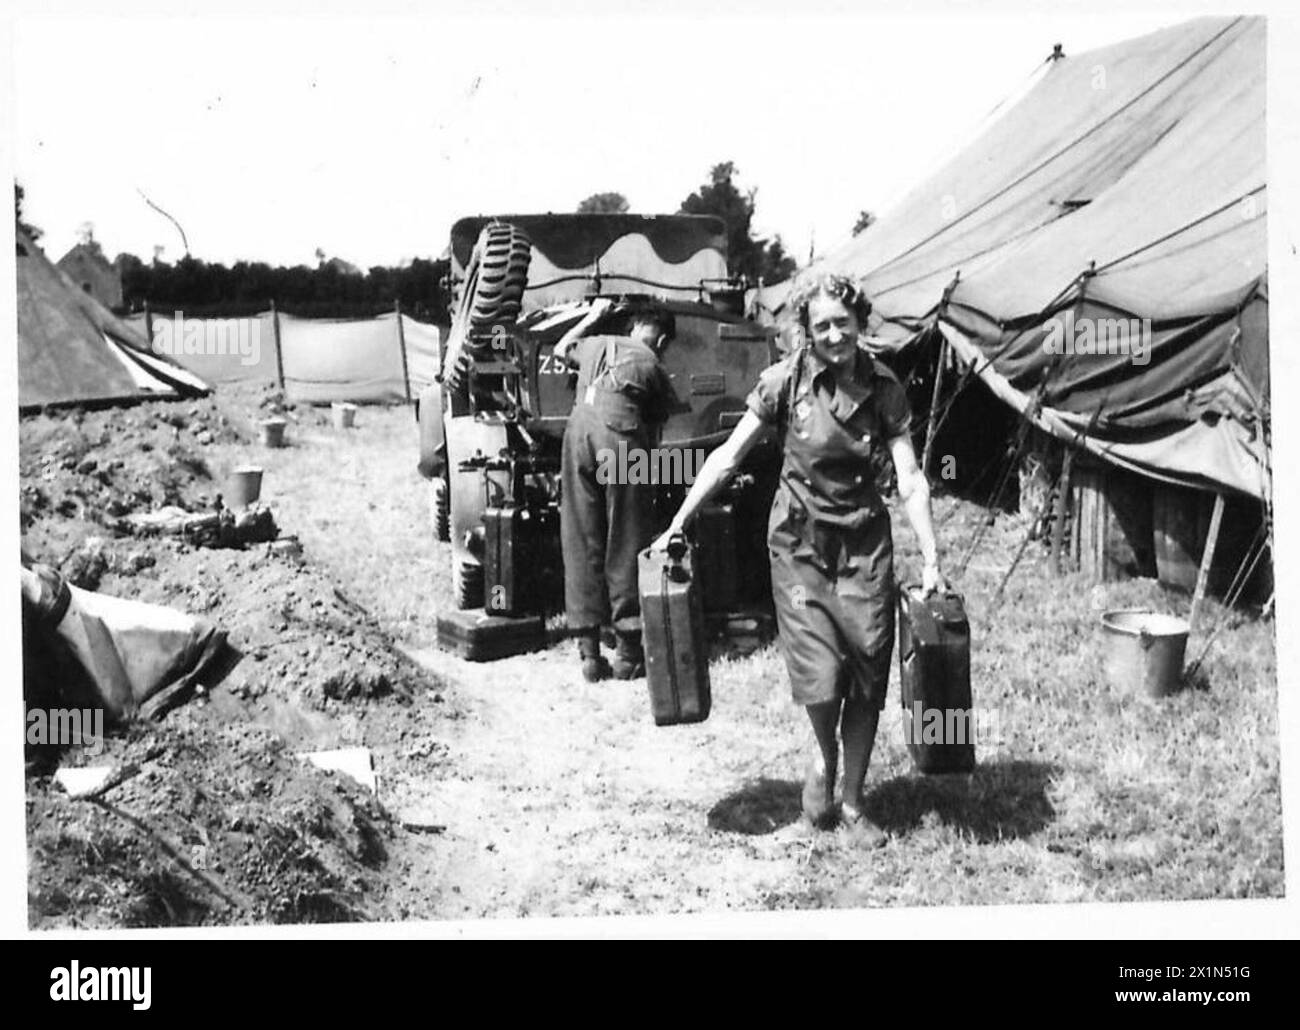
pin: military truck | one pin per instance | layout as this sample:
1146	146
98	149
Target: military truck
490	429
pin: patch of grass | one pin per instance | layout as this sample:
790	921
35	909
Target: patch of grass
1083	792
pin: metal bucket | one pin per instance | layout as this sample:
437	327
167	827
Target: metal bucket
244	487
1144	651
273	432
344	414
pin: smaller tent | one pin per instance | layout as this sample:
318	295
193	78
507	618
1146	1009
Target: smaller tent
73	350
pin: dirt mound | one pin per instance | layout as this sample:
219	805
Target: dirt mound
223	823
82	471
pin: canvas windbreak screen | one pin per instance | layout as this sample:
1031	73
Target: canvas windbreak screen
324	360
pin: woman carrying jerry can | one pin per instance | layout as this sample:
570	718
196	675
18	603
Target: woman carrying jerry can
829	536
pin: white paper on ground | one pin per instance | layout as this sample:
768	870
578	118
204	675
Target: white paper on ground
86	779
356	762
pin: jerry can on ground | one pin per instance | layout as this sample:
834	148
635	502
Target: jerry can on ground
676	647
934	679
517	563
506	538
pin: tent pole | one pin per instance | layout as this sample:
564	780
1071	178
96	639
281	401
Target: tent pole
1063	487
1207	559
401	343
1020	553
279	354
1062	500
939	369
1239	581
1010	459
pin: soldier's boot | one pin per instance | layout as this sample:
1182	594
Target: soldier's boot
629	657
594	666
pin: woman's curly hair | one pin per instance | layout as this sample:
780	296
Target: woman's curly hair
837	287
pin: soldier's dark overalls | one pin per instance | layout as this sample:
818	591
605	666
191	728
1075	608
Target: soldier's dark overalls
829	531
623	397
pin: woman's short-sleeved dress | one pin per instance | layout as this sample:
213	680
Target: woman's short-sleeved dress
829	532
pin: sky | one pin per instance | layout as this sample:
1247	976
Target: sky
270	137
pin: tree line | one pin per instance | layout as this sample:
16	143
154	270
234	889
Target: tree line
204	288
210	289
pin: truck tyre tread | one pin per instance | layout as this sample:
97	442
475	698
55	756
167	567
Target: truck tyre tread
441	509
469	584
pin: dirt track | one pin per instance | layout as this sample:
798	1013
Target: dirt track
526	790
515	789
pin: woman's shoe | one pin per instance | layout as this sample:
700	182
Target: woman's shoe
863	831
816	809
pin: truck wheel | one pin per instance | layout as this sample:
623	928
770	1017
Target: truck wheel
441	509
469	585
491	294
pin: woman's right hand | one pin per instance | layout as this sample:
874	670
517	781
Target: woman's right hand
717	469
661	542
932	580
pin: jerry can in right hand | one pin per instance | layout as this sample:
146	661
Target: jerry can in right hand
676	648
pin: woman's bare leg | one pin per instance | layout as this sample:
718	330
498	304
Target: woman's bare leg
858	729
819	787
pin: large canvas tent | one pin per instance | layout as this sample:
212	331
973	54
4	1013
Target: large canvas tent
1128	184
73	350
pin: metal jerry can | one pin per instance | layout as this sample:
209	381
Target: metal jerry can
676	648
507	539
934	678
715	557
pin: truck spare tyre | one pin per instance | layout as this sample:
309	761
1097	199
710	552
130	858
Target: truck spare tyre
503	252
492	293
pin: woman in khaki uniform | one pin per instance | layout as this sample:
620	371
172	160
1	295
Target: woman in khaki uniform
829	536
